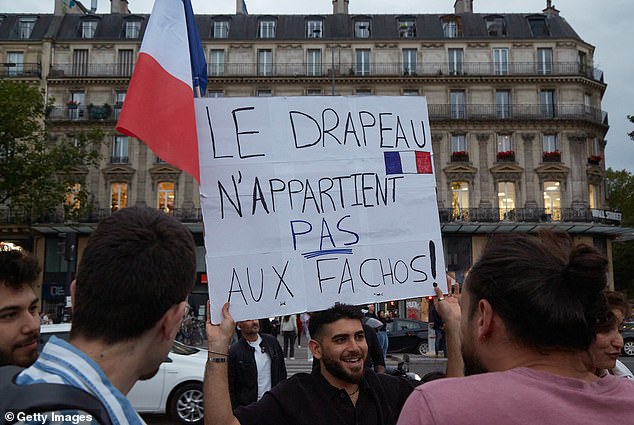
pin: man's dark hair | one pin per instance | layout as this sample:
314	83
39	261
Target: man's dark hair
138	263
548	292
325	317
17	267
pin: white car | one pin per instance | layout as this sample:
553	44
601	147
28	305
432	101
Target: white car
177	387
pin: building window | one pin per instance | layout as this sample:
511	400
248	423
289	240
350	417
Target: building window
503	104
550	148
314	29
538	26
119	150
407	29
221	29
80	62
501	61
216	63
362	65
76	105
15	64
552	200
545	61
587	103
496	26
504	148
132	29
88	29
460	200
313	92
456	60
264	93
593	196
506	200
450	28
118	196
265	62
25	27
266	29
457	104
165	196
125	64
362	29
409	61
459	145
119	97
547	102
410	92
215	93
313	62
583	63
363	92
72	199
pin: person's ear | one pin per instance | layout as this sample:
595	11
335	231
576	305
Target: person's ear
73	286
315	347
485	319
171	320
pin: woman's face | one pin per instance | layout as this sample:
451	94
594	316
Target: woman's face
606	348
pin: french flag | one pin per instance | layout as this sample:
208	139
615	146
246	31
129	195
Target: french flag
170	70
407	162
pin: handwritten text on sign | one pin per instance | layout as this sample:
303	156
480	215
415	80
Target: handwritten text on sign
312	200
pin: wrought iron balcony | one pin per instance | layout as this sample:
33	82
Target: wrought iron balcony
494	215
82	113
516	111
82	70
19	70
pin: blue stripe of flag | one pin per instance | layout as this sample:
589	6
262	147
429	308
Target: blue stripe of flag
196	52
393	163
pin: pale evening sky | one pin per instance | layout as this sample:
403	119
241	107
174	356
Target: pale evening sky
607	25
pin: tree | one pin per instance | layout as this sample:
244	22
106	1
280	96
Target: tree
36	170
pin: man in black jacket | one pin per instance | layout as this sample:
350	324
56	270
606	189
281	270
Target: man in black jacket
256	364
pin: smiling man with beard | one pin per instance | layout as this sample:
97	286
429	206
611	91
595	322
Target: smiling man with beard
339	391
526	318
19	317
128	300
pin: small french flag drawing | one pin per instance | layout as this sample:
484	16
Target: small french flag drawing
407	162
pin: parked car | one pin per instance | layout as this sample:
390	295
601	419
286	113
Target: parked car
177	387
407	336
628	338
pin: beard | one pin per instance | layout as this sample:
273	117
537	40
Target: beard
336	369
472	365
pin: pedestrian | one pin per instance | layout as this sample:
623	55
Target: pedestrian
338	391
305	318
128	299
527	317
19	313
439	330
256	364
289	332
382	332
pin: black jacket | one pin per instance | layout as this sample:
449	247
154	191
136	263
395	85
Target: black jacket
243	374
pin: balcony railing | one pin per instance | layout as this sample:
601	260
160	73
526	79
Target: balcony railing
82	113
19	70
537	215
325	69
515	111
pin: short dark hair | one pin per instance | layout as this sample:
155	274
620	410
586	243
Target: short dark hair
138	263
338	311
616	300
548	291
17	267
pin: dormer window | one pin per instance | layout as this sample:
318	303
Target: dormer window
88	28
539	26
314	29
132	29
451	27
221	29
266	29
362	29
496	26
25	27
407	29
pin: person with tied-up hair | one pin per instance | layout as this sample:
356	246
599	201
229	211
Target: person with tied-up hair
526	319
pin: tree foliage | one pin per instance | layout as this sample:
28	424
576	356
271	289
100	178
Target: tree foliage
36	169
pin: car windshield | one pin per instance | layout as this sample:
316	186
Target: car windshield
180	348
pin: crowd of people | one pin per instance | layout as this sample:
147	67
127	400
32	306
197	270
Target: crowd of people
532	336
